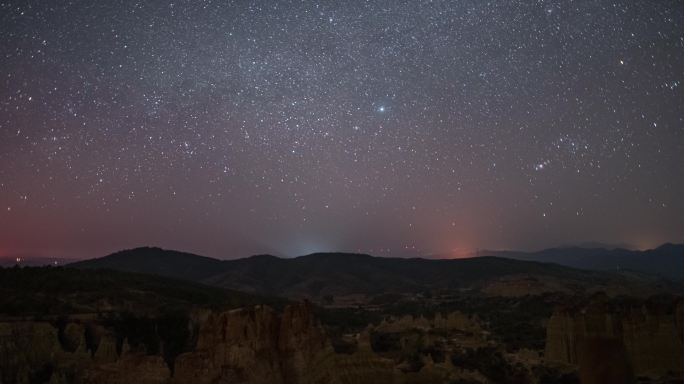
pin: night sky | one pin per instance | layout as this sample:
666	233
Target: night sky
394	127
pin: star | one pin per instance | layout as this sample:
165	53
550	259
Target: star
221	120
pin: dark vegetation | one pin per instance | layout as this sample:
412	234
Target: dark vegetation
514	322
348	320
491	363
407	347
166	334
549	375
55	291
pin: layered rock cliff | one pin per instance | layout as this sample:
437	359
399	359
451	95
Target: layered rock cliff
651	336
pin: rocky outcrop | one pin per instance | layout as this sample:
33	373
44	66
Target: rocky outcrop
652	337
240	344
308	356
38	352
26	349
256	345
253	345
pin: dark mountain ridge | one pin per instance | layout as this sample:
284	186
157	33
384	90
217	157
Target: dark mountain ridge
666	260
325	274
157	261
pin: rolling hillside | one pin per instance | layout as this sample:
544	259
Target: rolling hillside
156	261
319	275
666	261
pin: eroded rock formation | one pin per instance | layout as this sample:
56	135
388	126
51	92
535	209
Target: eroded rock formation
256	345
259	345
652	336
34	351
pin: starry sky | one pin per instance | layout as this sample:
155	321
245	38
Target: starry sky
394	127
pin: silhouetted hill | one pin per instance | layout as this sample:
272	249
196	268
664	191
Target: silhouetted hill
325	274
340	273
157	261
666	260
596	244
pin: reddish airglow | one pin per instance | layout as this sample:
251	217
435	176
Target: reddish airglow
4	253
460	253
178	143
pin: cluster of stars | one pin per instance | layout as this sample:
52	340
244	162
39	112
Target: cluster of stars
409	127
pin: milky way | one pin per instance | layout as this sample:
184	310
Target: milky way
390	127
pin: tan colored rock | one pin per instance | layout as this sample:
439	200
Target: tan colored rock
306	350
242	343
106	350
125	347
73	338
30	347
653	341
133	368
26	347
259	346
251	346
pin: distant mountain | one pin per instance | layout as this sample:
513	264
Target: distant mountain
323	274
666	261
157	261
596	244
